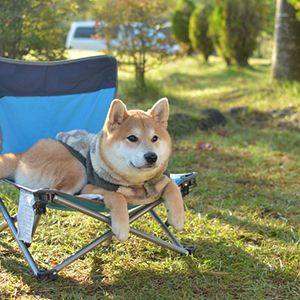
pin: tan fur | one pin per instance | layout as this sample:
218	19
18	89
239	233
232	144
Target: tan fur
48	164
50	159
133	119
8	163
174	204
147	193
117	204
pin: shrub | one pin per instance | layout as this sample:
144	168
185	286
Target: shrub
235	26
180	21
34	27
296	5
198	30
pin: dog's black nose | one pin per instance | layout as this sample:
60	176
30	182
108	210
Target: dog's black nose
150	157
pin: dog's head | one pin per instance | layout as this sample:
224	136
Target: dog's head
135	144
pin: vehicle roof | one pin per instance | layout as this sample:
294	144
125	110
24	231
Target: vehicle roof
83	23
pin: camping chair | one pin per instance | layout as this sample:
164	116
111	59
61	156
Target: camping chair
38	100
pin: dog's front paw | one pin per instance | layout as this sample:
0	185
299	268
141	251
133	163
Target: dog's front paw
176	220
121	231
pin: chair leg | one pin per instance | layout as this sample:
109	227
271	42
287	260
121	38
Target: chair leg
158	241
189	249
21	244
4	225
84	250
165	228
36	222
133	216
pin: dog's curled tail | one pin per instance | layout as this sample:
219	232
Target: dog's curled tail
8	164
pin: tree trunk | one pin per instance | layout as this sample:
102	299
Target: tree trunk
206	57
286	53
140	78
228	61
242	62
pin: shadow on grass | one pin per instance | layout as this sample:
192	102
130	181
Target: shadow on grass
261	231
233	185
216	269
213	271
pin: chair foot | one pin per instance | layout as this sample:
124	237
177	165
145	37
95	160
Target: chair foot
191	249
47	275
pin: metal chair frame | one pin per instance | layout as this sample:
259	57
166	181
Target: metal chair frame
44	197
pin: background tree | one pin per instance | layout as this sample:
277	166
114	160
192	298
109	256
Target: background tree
198	30
286	56
139	27
235	26
216	23
85	10
35	27
296	5
266	35
180	22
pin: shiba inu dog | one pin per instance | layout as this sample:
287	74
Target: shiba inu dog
130	155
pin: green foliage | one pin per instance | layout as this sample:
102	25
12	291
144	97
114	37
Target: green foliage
296	5
235	26
180	20
34	27
198	30
269	16
85	9
142	41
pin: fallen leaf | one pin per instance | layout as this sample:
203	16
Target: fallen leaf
54	263
222	132
204	146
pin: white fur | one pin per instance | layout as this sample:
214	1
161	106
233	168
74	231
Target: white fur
32	178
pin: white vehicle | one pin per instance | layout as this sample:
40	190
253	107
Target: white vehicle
82	36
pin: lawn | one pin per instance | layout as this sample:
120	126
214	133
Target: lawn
243	216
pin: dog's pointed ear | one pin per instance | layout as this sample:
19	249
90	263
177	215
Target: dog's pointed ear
116	115
160	111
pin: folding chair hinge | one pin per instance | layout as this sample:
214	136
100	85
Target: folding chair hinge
185	186
191	249
41	201
47	274
40	208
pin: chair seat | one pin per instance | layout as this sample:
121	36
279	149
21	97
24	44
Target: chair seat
182	180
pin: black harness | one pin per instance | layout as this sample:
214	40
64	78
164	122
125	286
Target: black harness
92	176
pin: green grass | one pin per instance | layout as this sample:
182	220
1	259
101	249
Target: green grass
243	216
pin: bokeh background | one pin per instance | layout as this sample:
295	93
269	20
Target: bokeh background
231	71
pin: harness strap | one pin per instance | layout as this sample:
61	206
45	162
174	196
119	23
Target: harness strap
75	153
93	177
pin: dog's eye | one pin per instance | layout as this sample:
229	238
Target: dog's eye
154	139
132	138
